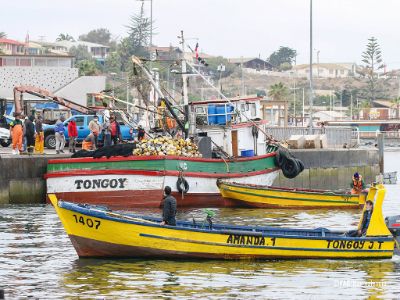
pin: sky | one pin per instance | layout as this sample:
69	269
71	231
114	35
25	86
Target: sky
231	28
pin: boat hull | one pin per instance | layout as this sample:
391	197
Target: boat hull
108	182
104	234
253	195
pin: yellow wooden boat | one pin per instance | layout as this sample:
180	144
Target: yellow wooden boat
98	232
248	195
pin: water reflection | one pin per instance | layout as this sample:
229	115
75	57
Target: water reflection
193	279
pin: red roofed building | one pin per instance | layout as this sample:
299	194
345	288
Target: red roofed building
8	46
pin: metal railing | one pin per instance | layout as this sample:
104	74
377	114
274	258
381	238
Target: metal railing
374	134
337	137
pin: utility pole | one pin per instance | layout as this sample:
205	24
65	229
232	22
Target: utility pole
303	109
341	98
311	71
242	79
294	101
127	92
351	106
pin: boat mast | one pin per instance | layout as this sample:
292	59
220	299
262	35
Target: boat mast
185	86
184	71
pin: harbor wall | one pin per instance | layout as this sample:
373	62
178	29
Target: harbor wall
22	182
332	168
21	179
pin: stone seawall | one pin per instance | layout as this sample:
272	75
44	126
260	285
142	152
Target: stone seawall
332	168
21	177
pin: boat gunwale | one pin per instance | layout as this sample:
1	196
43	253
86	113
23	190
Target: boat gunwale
102	214
157	157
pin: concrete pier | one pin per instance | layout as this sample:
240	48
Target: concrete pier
21	177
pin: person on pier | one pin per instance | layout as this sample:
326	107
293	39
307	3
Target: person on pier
357	184
16	134
39	135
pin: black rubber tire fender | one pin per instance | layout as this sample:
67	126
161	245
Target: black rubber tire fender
290	168
182	185
280	157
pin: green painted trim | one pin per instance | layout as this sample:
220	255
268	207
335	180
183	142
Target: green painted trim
169	165
285	198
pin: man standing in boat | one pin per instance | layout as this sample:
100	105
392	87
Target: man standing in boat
357	184
169	209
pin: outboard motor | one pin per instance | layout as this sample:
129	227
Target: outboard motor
393	224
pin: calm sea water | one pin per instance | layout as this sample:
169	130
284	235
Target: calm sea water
37	260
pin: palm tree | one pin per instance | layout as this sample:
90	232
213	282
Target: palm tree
278	92
396	101
365	107
65	37
3	35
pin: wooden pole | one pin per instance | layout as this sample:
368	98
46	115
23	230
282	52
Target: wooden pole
381	152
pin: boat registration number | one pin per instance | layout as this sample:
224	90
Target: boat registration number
353	244
91	223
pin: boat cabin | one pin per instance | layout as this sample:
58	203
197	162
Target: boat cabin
228	124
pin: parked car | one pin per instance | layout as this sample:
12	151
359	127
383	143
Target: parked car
82	123
5	139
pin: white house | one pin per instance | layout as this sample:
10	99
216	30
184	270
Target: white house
98	51
54	73
327	70
326	115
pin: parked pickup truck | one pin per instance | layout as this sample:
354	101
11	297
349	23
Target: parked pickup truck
82	123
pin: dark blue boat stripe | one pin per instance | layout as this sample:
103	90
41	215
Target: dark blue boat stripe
218	228
251	246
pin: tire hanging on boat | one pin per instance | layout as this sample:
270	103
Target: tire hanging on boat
182	185
290	165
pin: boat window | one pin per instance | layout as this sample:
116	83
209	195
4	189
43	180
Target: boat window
242	107
253	109
247	107
200	110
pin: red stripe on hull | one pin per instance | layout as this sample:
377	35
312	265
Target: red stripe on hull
140	199
245	204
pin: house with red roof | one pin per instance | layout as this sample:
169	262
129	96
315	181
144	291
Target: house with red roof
8	46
